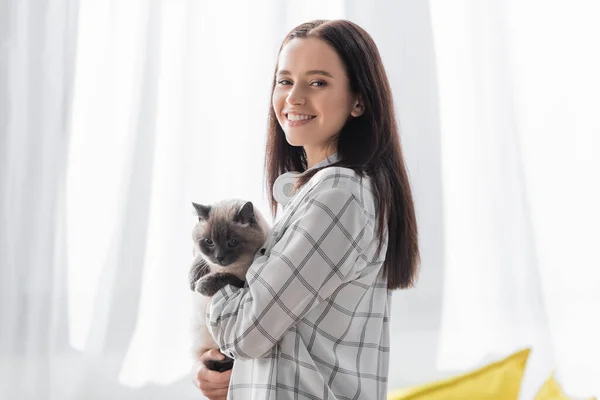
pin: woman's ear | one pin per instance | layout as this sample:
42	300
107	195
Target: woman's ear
358	108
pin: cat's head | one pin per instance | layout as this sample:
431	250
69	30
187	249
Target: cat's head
228	233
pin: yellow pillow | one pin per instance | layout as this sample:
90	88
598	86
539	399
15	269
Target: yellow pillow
551	390
497	381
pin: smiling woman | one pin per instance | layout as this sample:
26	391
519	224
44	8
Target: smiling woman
312	98
318	299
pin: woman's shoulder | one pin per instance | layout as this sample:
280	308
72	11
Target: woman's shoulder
345	182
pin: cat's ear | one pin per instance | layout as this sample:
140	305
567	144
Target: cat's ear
202	211
246	214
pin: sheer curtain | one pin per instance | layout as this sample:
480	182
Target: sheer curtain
37	42
114	116
518	109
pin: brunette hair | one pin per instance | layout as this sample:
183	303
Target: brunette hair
369	144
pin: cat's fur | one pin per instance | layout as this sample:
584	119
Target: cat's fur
219	261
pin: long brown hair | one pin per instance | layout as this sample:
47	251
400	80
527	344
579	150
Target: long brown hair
368	144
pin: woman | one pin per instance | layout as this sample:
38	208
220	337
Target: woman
313	319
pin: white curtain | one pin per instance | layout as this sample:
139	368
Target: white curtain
519	100
37	41
115	115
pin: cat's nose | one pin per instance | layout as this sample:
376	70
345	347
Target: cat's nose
220	258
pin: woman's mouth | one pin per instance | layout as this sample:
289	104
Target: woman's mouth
295	120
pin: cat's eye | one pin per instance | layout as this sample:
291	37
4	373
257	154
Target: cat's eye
209	242
233	242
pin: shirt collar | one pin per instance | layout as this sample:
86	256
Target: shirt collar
327	161
284	184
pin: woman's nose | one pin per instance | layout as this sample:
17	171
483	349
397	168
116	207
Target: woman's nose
296	97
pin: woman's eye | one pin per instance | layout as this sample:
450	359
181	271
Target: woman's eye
209	242
233	242
286	82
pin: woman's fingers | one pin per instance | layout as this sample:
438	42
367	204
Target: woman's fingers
217	394
207	380
212	379
213	384
212	354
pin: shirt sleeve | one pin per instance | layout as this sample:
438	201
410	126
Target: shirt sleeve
313	258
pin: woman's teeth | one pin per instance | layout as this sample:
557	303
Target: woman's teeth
295	117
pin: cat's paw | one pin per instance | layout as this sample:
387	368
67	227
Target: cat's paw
219	366
211	284
205	287
198	270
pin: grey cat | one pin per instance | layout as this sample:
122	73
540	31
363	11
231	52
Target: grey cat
226	239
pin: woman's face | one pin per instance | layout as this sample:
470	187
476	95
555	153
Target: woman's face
312	98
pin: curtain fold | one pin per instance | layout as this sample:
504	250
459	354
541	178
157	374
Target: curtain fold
34	117
517	171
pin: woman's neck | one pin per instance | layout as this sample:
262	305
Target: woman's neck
315	156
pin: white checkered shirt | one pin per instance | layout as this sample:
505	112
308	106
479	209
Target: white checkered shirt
313	319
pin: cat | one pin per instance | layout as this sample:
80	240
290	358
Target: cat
226	239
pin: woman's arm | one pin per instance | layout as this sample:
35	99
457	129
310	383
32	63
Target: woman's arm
315	256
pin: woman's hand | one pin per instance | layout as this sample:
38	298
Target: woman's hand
213	384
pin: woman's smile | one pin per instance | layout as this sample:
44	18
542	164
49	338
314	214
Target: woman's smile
296	120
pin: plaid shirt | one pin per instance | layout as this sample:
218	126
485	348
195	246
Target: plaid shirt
313	319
